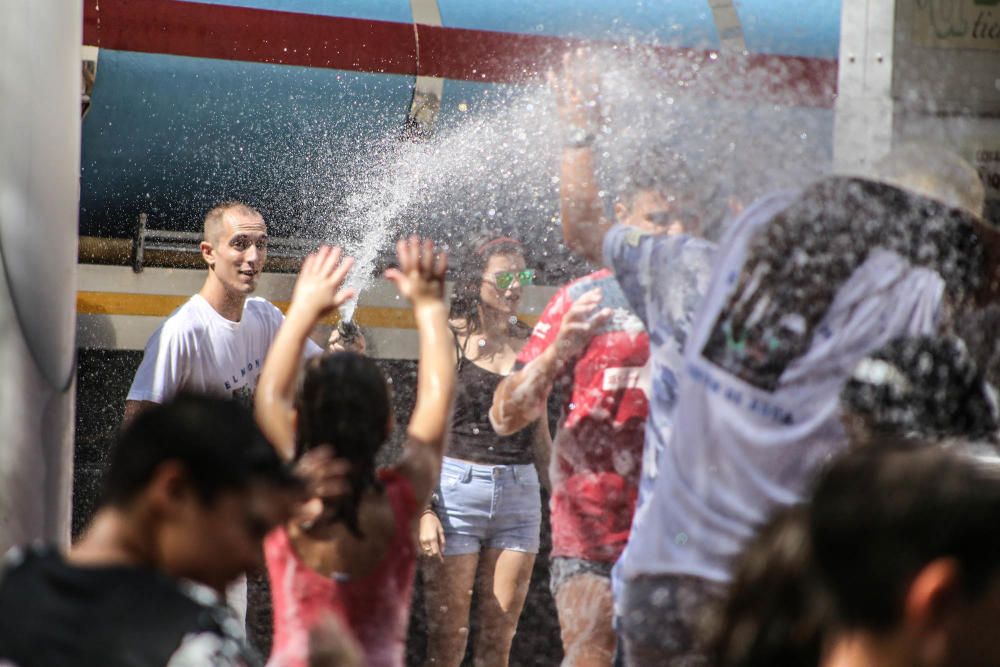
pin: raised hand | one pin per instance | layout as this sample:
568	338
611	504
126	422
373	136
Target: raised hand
431	536
580	323
420	276
317	290
577	89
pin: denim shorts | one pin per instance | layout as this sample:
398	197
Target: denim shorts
563	568
488	507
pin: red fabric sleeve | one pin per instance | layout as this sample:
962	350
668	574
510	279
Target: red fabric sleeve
547	327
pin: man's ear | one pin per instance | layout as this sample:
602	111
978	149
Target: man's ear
621	211
928	608
168	488
207	253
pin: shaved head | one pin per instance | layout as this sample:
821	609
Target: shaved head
214	218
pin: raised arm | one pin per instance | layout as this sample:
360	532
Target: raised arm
420	278
317	292
577	92
520	397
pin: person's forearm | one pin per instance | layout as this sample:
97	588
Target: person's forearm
580	207
520	398
435	375
543	450
274	397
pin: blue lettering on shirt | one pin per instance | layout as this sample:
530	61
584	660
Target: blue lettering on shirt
756	405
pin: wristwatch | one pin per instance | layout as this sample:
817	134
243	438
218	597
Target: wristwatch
578	137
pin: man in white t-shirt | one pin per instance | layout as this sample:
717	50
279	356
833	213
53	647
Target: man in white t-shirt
216	342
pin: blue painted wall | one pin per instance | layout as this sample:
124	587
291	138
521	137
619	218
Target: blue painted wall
170	135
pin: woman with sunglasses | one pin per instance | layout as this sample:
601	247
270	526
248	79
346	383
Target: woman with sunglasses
481	530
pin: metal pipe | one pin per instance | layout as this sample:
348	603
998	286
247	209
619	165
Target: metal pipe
118	252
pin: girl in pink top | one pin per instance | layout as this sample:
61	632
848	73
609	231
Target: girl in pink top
350	553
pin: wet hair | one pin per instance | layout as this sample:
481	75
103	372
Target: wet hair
465	295
666	172
978	328
881	514
216	440
344	402
796	264
645	180
213	219
924	386
776	610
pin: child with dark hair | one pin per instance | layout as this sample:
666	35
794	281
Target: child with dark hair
978	329
924	387
905	541
350	552
191	490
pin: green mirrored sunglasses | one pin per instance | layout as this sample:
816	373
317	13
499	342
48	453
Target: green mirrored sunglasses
505	279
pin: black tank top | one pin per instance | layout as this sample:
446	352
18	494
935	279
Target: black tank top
472	435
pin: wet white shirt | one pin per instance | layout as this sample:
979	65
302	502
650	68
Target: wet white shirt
736	450
197	349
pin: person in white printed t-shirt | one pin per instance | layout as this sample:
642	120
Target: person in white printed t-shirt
216	342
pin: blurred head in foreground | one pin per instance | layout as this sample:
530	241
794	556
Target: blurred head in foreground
906	544
199	487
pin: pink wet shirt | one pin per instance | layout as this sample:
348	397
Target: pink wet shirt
376	608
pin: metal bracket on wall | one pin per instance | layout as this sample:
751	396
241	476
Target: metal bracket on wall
727	24
427	90
88	75
139	244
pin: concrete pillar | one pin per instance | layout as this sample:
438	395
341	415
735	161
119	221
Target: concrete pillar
39	205
863	115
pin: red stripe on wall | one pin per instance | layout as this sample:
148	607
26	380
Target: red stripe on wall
267	36
256	35
483	55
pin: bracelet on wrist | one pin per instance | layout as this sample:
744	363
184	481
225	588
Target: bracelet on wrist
579	137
